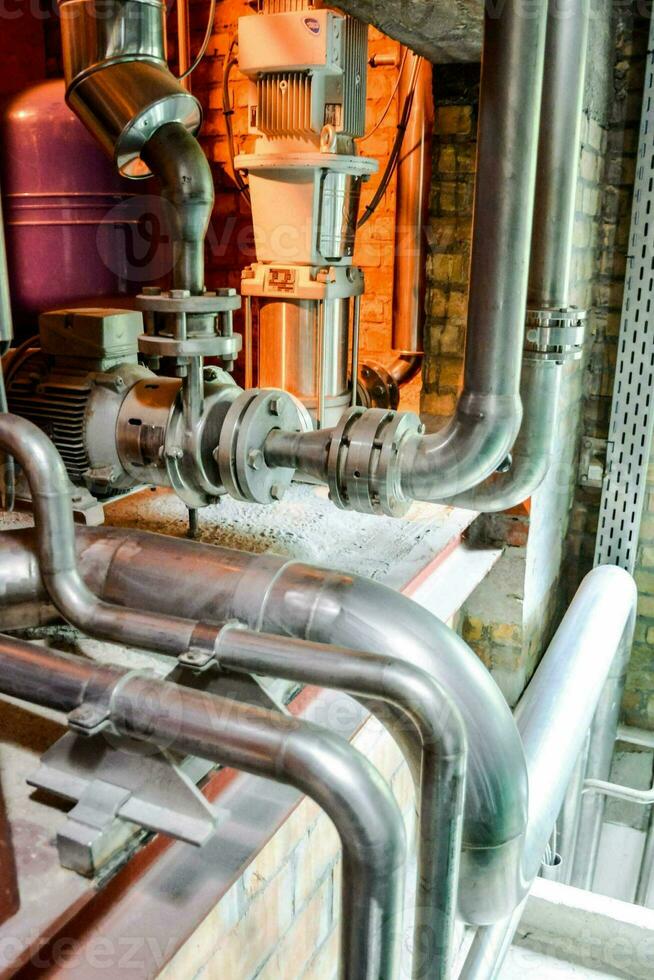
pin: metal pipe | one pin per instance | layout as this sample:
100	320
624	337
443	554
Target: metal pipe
489	412
265	743
646	872
55	545
553	718
551	251
183	41
117	78
413	187
293	599
600	757
177	159
6	318
430	711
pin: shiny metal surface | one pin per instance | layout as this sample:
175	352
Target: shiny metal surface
114	30
179	162
338	210
6	318
553	718
266	743
292	599
55	543
411	215
290	353
551	252
117	78
440	790
489	412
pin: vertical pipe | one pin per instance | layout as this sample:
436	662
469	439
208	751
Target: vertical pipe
646	872
266	743
6	322
183	41
9	897
412	214
553	718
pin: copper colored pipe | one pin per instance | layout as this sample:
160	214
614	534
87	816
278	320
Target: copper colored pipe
9	897
412	215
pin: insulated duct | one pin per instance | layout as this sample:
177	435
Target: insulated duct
553	717
254	740
289	598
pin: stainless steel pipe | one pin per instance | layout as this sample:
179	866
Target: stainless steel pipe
119	84
430	713
117	78
553	718
6	317
55	546
489	412
289	598
265	743
551	252
179	162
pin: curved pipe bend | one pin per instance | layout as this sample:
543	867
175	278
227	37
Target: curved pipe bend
533	451
177	159
55	544
430	714
253	740
288	598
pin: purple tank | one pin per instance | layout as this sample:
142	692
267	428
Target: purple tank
75	230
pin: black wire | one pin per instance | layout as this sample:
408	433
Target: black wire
228	112
394	156
205	43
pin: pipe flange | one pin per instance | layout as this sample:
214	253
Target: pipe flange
377	387
363	461
240	456
555	335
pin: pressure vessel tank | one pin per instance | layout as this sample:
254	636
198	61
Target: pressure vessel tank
75	229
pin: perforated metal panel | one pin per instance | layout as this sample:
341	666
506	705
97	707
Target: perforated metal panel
632	417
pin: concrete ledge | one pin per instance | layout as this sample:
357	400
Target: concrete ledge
591	930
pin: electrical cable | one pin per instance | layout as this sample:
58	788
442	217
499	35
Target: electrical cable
394	156
388	105
228	112
205	43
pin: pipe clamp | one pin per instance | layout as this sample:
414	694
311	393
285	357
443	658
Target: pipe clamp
555	335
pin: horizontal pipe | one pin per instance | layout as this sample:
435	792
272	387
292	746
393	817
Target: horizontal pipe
553	718
428	711
288	598
265	743
55	548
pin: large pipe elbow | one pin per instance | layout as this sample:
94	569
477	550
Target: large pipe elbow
465	452
533	452
177	159
328	607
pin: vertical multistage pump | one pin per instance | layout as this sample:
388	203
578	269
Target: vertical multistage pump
307	71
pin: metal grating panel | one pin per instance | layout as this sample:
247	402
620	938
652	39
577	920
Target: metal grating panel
632	416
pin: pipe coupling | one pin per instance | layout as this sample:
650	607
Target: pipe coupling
363	461
243	467
555	335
